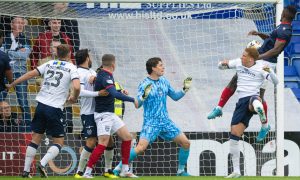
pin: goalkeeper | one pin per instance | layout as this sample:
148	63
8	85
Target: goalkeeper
152	94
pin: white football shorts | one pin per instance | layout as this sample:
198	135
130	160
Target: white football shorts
107	123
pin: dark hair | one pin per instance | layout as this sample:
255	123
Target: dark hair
290	12
62	51
252	52
108	60
1	33
81	56
151	63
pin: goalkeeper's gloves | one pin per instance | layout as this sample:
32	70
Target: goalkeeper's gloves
146	92
187	84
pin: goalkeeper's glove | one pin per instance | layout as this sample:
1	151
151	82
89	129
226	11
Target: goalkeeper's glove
187	84
146	92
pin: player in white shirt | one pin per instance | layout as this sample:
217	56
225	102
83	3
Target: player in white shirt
58	75
251	76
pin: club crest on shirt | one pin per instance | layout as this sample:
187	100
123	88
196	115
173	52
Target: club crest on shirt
89	131
107	128
110	81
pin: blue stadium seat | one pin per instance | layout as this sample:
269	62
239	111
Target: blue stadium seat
296	64
296	91
298	16
286	61
291	76
291	84
294	40
296	27
290	71
295	50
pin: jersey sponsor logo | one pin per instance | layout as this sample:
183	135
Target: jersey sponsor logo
58	67
60	63
109	81
246	71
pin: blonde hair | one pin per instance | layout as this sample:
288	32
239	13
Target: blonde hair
252	52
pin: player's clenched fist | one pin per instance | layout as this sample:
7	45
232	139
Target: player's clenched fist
147	91
187	84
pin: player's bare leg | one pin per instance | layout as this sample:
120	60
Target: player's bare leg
225	96
183	154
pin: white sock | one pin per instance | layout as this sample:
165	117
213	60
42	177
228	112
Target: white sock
257	104
108	156
125	168
235	152
52	152
88	170
219	107
84	156
30	153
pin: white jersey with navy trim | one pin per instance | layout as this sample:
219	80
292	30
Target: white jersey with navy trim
250	79
56	84
87	104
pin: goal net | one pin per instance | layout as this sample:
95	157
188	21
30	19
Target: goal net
190	38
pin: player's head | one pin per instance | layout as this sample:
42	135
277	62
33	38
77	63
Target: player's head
63	52
288	13
249	56
82	56
155	66
109	61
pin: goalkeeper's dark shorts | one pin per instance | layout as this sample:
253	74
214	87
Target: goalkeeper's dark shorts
89	125
242	113
48	119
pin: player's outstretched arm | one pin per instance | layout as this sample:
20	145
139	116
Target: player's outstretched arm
270	75
223	64
261	35
25	77
118	95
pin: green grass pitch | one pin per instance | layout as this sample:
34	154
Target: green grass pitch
159	178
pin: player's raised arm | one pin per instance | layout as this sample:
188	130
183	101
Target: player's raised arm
176	95
228	64
261	35
270	75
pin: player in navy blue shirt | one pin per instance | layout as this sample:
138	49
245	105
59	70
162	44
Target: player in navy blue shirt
106	120
5	70
272	46
156	119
